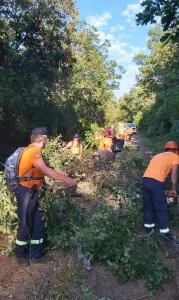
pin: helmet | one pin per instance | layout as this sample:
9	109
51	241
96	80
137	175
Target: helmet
106	132
171	145
77	136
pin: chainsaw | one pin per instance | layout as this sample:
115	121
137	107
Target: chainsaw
172	198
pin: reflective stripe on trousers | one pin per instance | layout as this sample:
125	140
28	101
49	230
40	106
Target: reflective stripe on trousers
149	225
32	242
164	230
36	242
21	243
30	237
154	204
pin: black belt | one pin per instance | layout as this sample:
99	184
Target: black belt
29	178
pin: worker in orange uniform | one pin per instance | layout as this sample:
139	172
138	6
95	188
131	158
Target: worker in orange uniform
106	146
154	198
129	133
100	151
74	147
29	246
122	137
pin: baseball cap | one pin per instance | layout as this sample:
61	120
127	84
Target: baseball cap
40	130
77	136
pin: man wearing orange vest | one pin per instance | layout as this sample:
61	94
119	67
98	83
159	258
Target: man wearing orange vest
32	168
154	198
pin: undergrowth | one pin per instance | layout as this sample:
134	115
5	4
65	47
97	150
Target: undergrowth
109	235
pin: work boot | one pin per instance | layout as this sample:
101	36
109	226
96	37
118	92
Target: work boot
22	261
44	259
168	238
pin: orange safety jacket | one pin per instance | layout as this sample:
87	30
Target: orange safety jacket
108	143
26	166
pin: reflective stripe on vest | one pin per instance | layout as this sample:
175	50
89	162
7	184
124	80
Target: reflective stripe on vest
21	243
164	230
149	225
36	242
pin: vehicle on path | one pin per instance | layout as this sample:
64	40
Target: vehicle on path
131	125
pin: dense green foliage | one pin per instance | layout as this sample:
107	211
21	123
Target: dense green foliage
109	234
36	57
93	79
54	71
167	11
154	104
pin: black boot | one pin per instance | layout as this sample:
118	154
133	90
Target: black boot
22	261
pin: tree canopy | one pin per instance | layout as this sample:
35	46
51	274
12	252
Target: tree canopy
54	71
168	11
154	103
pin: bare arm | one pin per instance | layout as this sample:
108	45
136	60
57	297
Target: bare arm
174	177
68	146
105	147
51	173
81	150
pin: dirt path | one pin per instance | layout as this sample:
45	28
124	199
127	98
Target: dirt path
141	144
68	276
17	283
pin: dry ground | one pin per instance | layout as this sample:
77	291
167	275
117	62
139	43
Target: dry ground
65	278
36	282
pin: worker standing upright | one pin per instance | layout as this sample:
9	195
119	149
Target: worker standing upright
105	145
129	133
